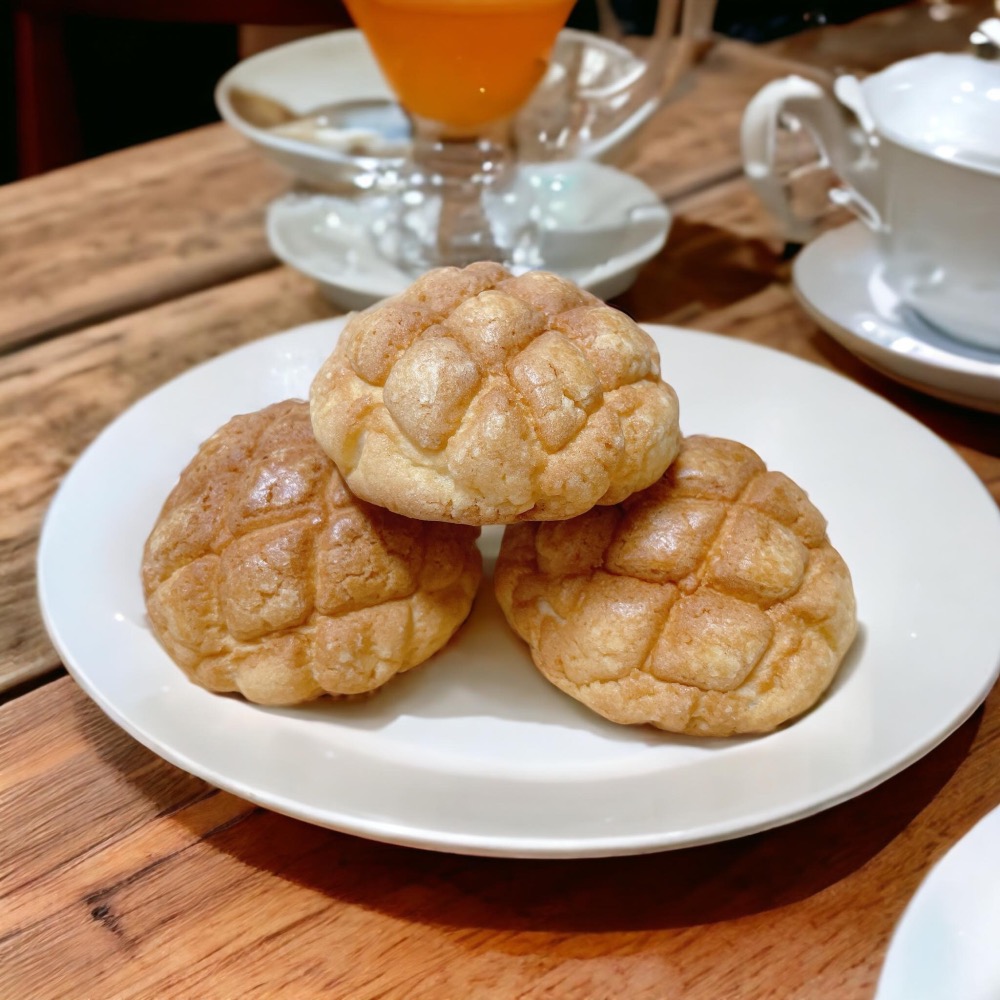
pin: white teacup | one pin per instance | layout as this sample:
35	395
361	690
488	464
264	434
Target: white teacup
917	147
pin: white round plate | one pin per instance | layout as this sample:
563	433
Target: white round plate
946	944
597	226
474	752
838	278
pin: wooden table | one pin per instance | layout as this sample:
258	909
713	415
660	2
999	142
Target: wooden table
122	876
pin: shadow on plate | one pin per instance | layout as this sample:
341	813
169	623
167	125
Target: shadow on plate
682	888
501	685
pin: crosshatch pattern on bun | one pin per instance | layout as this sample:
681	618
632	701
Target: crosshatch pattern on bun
711	603
264	575
481	398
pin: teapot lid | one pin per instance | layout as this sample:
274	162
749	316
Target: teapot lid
944	105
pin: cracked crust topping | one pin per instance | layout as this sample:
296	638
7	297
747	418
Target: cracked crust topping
481	398
264	575
711	603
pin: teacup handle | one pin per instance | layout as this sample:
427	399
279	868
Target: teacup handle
796	100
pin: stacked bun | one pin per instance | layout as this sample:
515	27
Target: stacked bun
322	550
479	398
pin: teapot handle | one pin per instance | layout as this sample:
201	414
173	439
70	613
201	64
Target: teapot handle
794	101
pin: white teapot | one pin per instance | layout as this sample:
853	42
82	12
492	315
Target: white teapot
917	147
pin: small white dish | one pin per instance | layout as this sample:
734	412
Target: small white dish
838	279
946	943
303	78
474	752
597	226
311	80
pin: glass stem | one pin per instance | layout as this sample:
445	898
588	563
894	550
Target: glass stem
460	171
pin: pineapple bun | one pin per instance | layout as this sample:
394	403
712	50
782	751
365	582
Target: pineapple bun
263	575
477	397
712	603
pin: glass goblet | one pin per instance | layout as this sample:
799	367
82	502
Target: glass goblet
461	70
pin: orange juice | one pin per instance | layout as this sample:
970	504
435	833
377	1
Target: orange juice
463	63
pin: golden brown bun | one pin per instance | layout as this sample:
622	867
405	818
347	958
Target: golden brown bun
712	603
480	398
264	575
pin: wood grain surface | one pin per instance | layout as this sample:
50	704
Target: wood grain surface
123	877
130	229
886	37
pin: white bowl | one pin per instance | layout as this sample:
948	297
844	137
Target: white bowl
337	69
598	227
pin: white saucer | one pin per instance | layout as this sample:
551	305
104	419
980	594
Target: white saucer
945	945
599	226
839	282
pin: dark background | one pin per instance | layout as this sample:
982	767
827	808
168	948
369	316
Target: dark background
137	81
